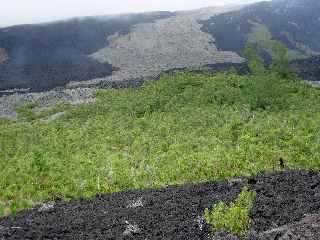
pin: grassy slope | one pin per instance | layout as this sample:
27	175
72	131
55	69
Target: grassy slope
183	128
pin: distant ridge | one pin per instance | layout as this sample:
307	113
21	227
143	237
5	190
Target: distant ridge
293	22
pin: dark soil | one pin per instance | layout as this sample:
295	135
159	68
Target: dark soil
169	213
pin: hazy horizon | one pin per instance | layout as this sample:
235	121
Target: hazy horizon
16	12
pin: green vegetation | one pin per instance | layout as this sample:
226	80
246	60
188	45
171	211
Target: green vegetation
183	128
262	37
255	62
28	112
280	63
234	218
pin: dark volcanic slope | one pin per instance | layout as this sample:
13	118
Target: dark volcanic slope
47	55
308	69
294	22
172	213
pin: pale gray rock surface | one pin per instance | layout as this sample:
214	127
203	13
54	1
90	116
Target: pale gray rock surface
53	117
9	104
3	55
172	43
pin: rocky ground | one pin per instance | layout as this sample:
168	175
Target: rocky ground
9	103
171	43
287	207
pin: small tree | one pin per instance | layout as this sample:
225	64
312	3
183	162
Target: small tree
280	63
255	62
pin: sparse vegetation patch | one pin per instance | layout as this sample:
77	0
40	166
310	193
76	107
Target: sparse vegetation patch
235	217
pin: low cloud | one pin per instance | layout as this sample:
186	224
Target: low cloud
14	12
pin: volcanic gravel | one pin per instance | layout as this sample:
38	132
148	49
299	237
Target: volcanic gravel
283	199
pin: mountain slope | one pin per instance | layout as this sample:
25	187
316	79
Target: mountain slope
137	46
47	55
82	54
295	23
94	50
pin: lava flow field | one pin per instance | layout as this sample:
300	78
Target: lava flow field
287	206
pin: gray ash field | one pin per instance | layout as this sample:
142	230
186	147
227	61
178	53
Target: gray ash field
286	205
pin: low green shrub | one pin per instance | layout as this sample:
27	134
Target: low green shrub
25	112
234	218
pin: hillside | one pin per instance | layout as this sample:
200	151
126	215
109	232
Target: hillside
79	55
125	52
183	128
44	56
163	125
175	130
94	51
85	51
292	22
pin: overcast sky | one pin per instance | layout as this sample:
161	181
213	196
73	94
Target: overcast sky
33	11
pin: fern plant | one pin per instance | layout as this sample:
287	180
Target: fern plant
234	218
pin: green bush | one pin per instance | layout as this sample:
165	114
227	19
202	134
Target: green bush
39	163
25	112
280	60
267	92
267	89
234	218
255	62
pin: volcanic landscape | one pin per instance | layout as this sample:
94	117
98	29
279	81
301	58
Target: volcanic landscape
93	124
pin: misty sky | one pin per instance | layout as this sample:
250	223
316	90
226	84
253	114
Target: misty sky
33	11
